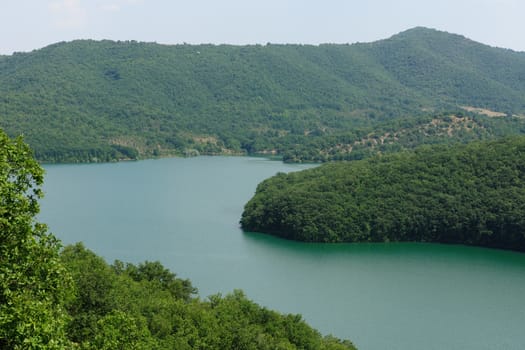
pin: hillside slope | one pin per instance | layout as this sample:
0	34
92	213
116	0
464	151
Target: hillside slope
100	100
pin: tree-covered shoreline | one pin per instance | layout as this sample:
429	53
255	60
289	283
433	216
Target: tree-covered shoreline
468	194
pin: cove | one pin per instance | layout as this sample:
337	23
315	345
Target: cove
184	212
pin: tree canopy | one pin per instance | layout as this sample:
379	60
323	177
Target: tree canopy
34	284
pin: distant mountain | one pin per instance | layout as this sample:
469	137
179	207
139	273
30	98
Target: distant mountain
455	69
102	100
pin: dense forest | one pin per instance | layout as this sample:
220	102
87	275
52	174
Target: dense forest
103	100
70	298
469	194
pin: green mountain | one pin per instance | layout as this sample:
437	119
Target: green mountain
102	100
469	194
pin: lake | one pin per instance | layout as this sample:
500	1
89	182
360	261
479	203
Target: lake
184	212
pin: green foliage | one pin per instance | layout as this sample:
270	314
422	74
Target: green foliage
470	194
103	100
155	273
34	286
119	331
94	283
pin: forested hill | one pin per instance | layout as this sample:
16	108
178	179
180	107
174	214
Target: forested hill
100	100
470	194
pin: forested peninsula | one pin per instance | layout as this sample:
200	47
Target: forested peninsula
54	298
93	101
469	194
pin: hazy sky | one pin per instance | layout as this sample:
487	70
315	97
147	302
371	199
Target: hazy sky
30	24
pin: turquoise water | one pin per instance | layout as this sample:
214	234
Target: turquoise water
185	213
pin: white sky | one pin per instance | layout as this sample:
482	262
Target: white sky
31	24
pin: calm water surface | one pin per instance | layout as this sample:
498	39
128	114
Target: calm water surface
185	213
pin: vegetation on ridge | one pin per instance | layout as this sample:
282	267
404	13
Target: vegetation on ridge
470	194
104	100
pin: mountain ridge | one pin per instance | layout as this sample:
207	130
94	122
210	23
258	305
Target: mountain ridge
417	30
89	100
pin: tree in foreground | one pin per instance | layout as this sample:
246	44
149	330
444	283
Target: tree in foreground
34	285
